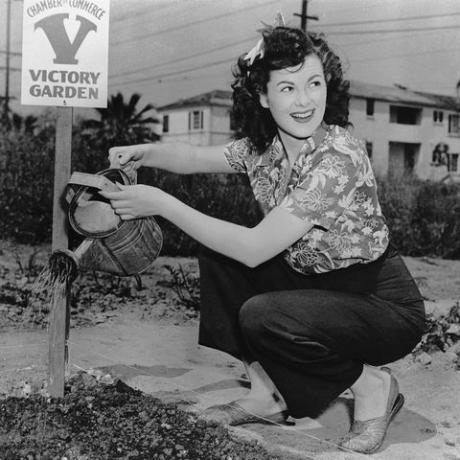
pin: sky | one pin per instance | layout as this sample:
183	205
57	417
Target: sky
170	49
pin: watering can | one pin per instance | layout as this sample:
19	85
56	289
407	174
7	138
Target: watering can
111	245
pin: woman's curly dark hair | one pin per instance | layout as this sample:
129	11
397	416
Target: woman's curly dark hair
283	47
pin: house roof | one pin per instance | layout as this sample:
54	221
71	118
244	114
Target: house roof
215	97
397	94
401	94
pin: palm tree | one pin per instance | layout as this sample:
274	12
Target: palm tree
121	119
26	124
121	123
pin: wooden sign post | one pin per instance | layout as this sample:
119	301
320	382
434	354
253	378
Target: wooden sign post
64	64
59	321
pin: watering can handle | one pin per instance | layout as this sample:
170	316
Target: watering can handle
89	180
93	180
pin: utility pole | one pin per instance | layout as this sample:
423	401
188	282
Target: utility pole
304	16
7	65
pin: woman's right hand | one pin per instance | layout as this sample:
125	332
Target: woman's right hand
129	157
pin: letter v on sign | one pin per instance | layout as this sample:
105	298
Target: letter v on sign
54	28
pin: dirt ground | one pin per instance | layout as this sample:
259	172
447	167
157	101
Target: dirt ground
152	346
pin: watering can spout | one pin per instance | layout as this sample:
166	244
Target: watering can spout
66	262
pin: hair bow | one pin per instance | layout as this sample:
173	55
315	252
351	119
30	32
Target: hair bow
258	51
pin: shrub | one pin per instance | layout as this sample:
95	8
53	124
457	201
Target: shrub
423	216
26	186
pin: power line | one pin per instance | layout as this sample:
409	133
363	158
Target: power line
179	72
382	31
397	56
192	23
186	77
181	59
323	25
204	65
140	13
11	69
163	79
12	53
202	53
379	21
379	40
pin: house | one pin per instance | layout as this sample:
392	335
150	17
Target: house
199	120
405	131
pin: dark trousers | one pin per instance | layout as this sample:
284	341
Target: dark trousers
311	334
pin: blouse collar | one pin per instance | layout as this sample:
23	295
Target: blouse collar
311	143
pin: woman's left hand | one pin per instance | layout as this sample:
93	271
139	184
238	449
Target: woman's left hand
134	201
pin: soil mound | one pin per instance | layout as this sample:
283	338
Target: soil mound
98	421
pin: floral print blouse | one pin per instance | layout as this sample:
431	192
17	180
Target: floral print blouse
331	184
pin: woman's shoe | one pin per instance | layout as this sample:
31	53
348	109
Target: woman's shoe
367	436
233	414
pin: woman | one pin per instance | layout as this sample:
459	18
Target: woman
313	297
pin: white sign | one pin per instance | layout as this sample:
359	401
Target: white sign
65	51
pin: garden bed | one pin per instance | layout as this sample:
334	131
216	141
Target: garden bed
98	421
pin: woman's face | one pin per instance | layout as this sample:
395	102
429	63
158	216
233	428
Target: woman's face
296	98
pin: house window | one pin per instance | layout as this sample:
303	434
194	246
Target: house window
440	154
195	120
454	125
405	115
453	162
438	116
166	123
369	149
370	107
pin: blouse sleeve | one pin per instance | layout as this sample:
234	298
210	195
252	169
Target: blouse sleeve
327	189
236	154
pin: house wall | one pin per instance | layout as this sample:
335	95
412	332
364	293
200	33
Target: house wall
216	126
220	125
378	130
178	126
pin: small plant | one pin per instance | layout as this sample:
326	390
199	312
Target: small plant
186	286
31	269
442	332
25	299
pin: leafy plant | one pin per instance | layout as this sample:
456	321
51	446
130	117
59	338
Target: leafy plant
26	165
121	123
442	332
186	286
423	216
25	300
122	119
31	269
